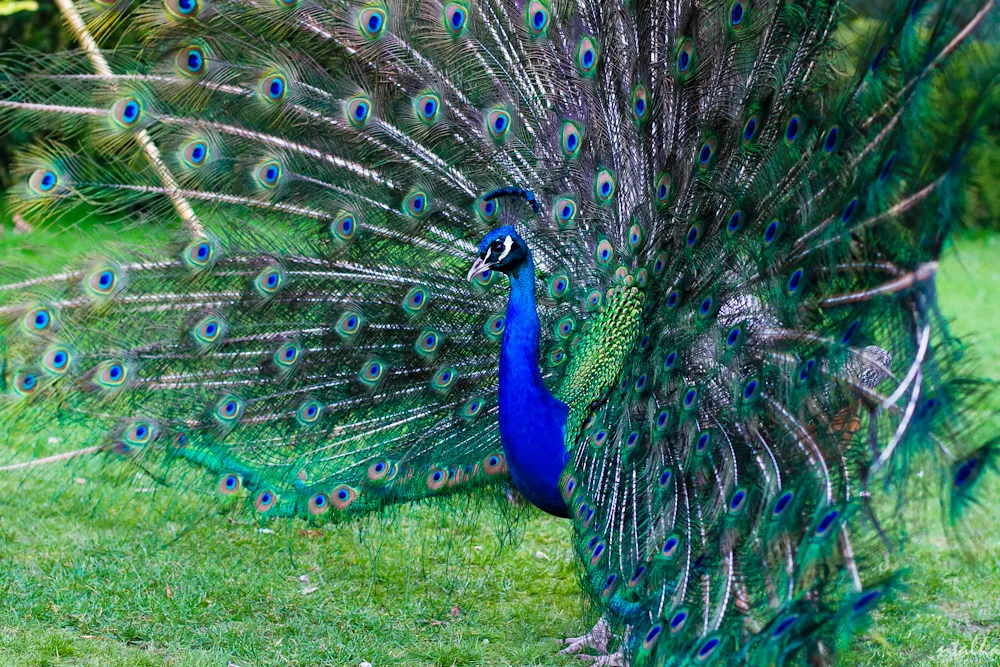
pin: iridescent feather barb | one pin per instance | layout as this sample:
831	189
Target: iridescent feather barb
719	221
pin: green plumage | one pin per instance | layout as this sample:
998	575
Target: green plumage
735	209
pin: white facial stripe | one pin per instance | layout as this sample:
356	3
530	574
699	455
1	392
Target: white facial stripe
486	257
508	243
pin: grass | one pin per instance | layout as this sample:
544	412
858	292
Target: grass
122	586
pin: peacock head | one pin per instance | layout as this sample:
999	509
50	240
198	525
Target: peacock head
501	250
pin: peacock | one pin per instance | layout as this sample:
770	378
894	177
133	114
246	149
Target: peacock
662	269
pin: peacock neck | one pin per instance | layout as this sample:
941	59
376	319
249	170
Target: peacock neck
532	421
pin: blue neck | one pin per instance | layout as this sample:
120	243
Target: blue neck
532	421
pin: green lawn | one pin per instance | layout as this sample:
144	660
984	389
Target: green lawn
101	588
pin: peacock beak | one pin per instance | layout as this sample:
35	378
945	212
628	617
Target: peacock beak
478	267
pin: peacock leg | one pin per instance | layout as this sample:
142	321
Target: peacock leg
616	659
596	639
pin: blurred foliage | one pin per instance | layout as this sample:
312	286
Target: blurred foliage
8	7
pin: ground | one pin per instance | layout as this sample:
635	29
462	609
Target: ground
120	586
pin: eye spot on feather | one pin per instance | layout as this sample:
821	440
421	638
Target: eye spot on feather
56	360
735	223
599	438
772	232
39	320
556	357
849	210
571	139
182	9
349	323
565	211
427	107
706	155
703	441
309	412
488	209
610	585
358	110
826	523
640	103
268	174
966	472
694	234
637	576
734	337
372	372
636	234
586	56
707	649
126	112
191	61
565	326
751	128
738	501
594	300
371	21
416	204
287	355
685	59
706	308
559	285
436	479
342	497
673	300
794	129
495	326
670	361
199	254
265	501
208	330
795	281
782	504
737	13
111	374
455	17
660	264
416	300
537	16
344	227
568	487
498	123
272	88
678	621
43	181
25	383
427	342
195	153
751	389
597	554
663	189
444	379
378	470
662	420
866	601
690	400
318	504
783	626
604	253
832	139
229	409
269	281
805	370
472	407
229	484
